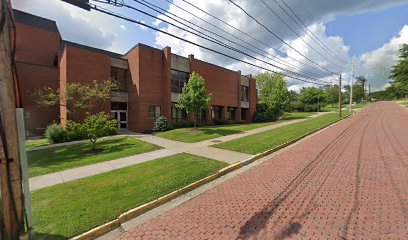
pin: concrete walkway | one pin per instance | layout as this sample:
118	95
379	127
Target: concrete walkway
171	147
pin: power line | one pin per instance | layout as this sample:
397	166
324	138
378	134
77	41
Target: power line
287	44
211	40
239	30
111	13
308	30
163	12
297	34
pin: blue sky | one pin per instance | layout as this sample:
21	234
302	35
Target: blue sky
368	31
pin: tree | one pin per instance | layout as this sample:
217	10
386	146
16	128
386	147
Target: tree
399	72
89	98
273	93
312	96
359	89
97	126
331	94
194	97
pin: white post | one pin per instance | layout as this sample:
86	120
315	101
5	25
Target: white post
24	167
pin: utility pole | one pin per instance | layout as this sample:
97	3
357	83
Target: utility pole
351	86
340	96
10	173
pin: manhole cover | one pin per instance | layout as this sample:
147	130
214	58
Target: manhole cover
216	141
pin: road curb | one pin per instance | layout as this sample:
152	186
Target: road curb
100	230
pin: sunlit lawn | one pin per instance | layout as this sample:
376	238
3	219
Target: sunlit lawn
189	135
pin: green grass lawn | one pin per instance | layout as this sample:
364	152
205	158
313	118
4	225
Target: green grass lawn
66	157
261	142
69	209
37	143
189	135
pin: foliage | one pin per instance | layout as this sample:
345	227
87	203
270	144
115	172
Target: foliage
274	97
223	122
88	98
331	94
182	124
399	72
161	125
194	97
311	98
55	133
97	126
75	131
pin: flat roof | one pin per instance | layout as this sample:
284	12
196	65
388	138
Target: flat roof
92	49
35	21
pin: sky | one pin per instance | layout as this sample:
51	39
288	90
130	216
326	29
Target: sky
312	40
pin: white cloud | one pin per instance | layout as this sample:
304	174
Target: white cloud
379	62
318	13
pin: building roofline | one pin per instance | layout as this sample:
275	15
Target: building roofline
143	45
35	21
92	49
212	64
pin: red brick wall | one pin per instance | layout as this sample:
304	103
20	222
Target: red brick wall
36	45
33	77
84	66
253	98
149	86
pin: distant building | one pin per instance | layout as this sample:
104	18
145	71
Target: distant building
150	79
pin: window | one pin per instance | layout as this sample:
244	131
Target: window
244	114
154	112
244	94
177	114
231	113
178	79
118	106
216	112
121	76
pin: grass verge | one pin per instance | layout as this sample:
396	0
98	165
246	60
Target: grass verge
69	209
37	143
71	156
189	135
261	142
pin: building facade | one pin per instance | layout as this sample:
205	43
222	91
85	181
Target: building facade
150	80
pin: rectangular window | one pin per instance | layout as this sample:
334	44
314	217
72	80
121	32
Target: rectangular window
216	112
178	79
120	75
177	114
154	112
244	94
231	113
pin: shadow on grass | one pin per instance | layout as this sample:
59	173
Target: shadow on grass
220	131
72	153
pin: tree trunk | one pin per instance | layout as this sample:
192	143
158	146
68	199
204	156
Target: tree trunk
195	120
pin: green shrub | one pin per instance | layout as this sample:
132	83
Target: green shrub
264	113
55	133
182	124
223	122
161	124
240	122
75	131
97	126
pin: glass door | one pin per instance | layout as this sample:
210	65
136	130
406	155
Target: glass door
121	117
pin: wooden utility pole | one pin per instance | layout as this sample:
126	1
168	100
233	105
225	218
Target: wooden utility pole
11	190
340	96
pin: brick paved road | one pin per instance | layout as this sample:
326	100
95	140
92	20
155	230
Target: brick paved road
348	182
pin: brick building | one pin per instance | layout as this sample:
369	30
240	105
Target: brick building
150	79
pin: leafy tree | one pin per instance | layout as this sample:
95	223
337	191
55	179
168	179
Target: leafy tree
97	126
89	98
273	94
399	72
331	94
194	97
312	96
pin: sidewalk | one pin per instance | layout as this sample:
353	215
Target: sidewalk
171	147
